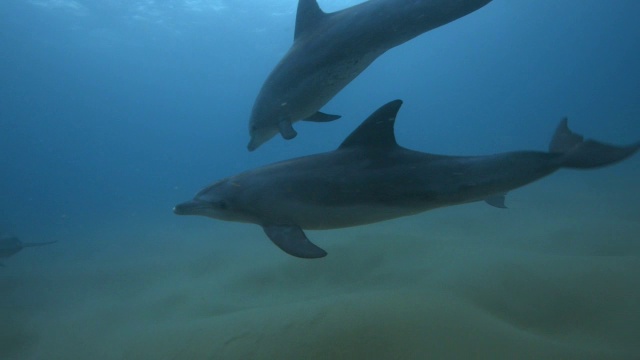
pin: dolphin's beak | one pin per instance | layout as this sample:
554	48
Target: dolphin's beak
253	144
191	207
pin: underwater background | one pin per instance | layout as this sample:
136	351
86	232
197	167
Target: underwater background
113	111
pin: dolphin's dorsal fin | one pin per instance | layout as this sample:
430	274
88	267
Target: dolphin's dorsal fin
376	132
308	17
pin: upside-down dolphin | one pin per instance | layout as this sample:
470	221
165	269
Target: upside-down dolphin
370	178
331	49
9	245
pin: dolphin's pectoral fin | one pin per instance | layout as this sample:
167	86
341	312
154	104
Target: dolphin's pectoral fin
286	130
292	240
496	201
322	117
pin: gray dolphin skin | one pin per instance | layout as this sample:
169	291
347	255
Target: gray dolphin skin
332	49
9	245
370	178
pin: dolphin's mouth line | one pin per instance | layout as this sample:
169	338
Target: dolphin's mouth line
252	144
189	208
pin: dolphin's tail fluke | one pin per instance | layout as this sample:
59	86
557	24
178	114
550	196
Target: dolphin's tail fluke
586	154
24	245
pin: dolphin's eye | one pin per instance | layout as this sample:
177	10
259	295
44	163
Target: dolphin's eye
222	205
253	128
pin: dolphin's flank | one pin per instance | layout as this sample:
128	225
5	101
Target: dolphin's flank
370	178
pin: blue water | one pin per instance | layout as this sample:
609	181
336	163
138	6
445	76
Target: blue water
111	112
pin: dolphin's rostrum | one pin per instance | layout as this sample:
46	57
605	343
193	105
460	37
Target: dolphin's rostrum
332	49
370	178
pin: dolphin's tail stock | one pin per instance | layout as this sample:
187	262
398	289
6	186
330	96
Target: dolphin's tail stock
586	154
24	245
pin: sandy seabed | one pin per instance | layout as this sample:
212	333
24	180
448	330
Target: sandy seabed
556	276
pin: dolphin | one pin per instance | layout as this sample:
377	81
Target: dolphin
9	245
331	49
370	178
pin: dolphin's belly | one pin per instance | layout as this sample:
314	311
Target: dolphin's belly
331	191
317	85
311	217
323	201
